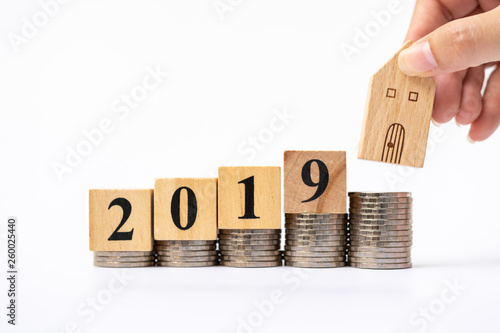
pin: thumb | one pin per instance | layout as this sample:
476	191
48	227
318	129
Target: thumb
458	45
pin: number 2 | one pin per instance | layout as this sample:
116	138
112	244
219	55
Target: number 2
127	209
322	183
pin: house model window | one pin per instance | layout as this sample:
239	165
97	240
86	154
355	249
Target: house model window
413	96
391	93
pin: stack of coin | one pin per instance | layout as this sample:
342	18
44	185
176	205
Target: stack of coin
187	253
315	240
124	259
380	228
250	248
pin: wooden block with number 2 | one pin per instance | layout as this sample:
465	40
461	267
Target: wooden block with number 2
315	182
249	198
121	220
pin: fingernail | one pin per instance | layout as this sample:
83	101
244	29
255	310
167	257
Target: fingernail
458	124
470	140
435	123
417	59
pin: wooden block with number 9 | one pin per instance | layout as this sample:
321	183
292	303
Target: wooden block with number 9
315	182
185	209
249	198
121	220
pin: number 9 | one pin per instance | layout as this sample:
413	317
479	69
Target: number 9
322	183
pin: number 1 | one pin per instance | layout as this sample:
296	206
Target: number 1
249	199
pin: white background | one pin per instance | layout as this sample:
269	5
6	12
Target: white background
227	77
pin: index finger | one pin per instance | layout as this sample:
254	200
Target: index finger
431	14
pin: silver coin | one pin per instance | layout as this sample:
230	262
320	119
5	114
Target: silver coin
383	205
315	248
124	259
379	266
381	216
380	244
185	242
316	221
373	249
312	227
185	248
187	259
378	222
315	264
382	228
372	200
319	243
187	264
381	238
124	264
187	253
314	232
248	242
123	253
315	254
252	253
397	211
250	258
371	260
315	216
249	231
251	237
255	264
315	259
337	236
251	247
380	194
381	233
379	255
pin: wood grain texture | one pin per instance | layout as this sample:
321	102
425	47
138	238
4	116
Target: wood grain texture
267	197
205	223
397	116
104	220
332	200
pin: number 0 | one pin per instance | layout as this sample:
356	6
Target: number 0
192	208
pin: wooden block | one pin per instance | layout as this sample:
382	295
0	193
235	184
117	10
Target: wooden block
185	209
121	220
397	116
315	182
249	198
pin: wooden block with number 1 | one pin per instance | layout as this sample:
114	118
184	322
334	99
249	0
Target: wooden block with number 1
121	220
315	182
249	198
185	209
397	116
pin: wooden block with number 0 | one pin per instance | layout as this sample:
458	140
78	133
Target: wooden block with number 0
185	209
315	182
121	220
249	198
397	116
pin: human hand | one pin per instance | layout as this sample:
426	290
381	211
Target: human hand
455	41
